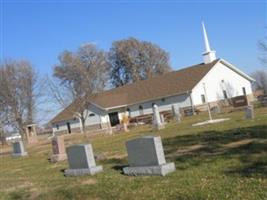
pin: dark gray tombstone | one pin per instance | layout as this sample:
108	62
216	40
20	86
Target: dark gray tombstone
146	157
19	149
81	160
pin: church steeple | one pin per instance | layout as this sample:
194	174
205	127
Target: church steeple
208	55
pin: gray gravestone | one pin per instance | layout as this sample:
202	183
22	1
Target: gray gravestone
157	124
176	114
249	112
81	160
146	157
18	149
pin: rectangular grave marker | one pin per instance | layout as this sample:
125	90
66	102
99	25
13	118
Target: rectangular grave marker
58	148
146	157
249	112
18	149
81	160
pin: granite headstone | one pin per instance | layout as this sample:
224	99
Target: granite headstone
146	157
18	149
81	160
249	112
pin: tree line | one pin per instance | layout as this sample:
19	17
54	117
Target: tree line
78	75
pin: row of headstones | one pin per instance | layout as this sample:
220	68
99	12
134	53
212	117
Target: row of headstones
159	123
145	156
158	119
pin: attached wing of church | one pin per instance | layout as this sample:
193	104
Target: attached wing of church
213	81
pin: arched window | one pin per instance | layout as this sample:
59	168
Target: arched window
141	110
91	115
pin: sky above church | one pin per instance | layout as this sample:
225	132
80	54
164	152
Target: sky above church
40	30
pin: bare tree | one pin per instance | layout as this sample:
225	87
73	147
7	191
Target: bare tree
261	80
82	74
263	51
17	82
132	60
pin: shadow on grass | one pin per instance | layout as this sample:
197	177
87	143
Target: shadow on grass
117	163
248	145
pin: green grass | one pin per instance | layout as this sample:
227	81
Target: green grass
220	161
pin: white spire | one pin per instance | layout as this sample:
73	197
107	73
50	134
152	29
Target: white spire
207	45
208	55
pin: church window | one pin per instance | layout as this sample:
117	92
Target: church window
225	94
203	99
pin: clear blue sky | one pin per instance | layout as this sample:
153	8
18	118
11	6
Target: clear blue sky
40	30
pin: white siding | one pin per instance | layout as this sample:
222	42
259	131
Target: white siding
98	118
62	126
163	104
232	84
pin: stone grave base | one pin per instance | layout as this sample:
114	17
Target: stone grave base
58	157
214	121
160	170
81	172
20	154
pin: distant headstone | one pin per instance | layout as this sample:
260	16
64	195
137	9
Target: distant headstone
157	124
162	119
81	160
31	134
19	149
58	148
249	112
146	157
176	114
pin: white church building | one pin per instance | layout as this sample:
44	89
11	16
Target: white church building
212	81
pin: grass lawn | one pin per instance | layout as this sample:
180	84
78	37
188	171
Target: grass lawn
218	161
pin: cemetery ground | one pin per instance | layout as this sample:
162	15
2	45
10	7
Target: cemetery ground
219	161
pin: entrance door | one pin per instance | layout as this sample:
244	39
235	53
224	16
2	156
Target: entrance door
114	118
69	129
